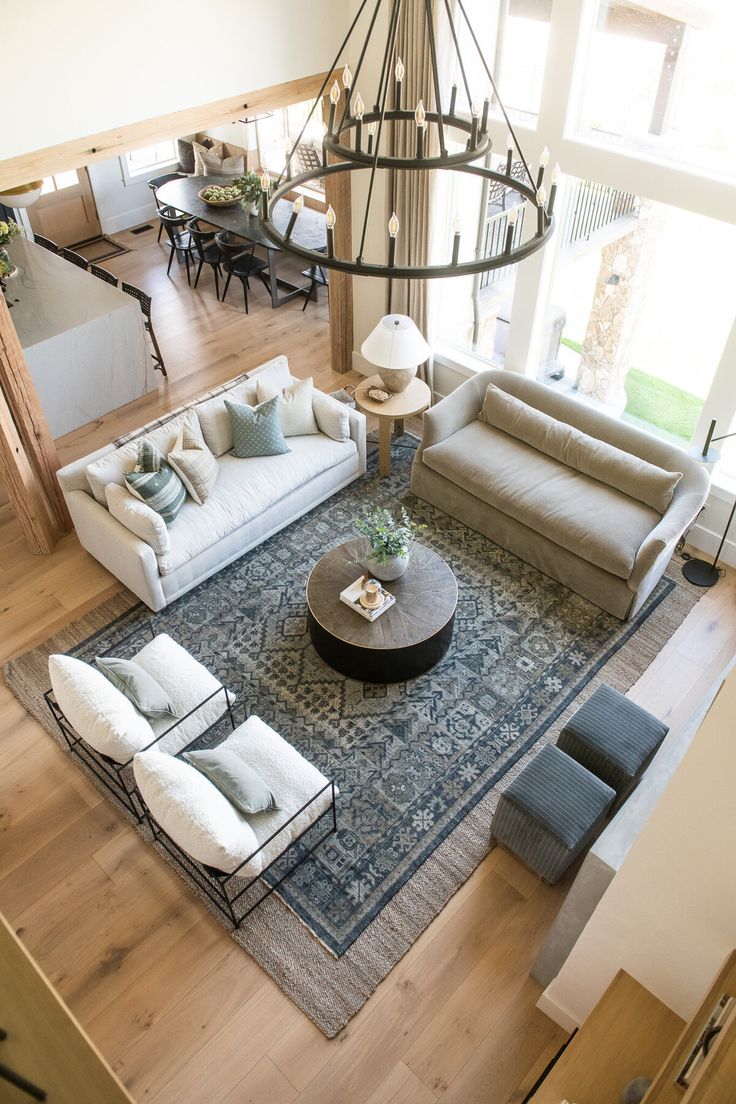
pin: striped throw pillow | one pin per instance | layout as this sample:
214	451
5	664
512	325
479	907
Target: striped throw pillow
156	483
193	462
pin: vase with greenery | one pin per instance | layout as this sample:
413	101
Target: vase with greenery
249	185
8	231
390	538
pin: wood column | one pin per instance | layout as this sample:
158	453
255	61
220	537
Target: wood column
338	196
28	460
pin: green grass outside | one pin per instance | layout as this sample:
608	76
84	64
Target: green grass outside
574	345
656	403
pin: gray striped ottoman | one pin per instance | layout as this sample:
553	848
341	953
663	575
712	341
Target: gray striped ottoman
551	812
614	738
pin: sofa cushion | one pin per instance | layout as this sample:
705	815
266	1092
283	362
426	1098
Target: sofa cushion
193	462
155	482
213	417
596	522
295	409
240	784
257	429
97	710
637	478
188	683
139	687
195	814
213	147
291	777
244	489
138	518
115	464
332	416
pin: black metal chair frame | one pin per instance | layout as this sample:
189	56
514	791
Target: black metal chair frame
318	277
103	274
154	184
145	304
116	777
230	258
222	889
201	239
173	220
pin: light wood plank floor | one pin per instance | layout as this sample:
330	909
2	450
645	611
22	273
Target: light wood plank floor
182	1013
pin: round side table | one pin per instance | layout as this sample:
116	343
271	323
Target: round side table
415	399
406	640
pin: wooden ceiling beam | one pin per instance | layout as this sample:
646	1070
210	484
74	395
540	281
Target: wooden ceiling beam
80	152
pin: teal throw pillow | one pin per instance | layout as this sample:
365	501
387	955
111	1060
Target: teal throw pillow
147	695
240	784
155	482
257	429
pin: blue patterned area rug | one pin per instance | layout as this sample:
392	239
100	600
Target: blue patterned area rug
418	764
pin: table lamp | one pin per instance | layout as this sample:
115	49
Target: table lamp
397	348
699	571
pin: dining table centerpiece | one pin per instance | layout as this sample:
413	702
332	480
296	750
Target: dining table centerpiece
390	537
249	185
8	231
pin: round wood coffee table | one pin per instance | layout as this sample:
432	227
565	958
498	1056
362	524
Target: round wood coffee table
403	642
403	404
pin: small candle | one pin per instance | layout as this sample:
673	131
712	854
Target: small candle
347	80
295	210
358	111
371	133
484	120
474	128
509	153
265	186
453	99
393	230
420	118
399	73
510	227
541	200
555	178
330	220
456	240
543	160
334	100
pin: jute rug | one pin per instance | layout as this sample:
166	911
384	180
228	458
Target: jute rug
419	764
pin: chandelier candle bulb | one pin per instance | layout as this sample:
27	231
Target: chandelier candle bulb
371	128
453	99
555	179
474	127
510	226
509	154
295	211
484	120
421	121
541	200
330	220
334	101
393	230
358	112
265	186
399	73
543	162
456	241
347	80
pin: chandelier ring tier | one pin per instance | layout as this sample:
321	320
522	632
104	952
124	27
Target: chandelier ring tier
355	136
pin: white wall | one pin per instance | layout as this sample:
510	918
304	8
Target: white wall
82	66
119	206
669	915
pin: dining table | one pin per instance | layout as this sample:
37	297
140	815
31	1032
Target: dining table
310	231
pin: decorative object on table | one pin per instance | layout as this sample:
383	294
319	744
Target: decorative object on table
390	539
345	395
453	136
220	195
8	231
391	413
249	185
378	395
636	1090
22	195
396	347
695	570
355	596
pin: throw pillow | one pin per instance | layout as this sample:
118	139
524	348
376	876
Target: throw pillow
214	419
256	430
295	409
156	483
193	462
186	156
96	709
147	695
245	789
223	165
332	417
200	149
195	814
138	518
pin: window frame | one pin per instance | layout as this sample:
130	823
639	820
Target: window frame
155	169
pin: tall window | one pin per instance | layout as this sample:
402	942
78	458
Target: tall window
143	163
663	85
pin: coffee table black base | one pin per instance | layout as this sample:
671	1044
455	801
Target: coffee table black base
380	665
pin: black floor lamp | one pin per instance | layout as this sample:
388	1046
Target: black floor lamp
698	571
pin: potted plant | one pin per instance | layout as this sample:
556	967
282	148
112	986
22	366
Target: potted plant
249	185
8	231
390	539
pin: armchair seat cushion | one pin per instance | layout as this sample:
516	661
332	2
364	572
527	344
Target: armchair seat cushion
597	522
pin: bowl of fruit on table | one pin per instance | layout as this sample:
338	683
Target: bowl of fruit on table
221	195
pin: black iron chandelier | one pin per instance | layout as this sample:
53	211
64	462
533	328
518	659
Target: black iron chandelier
360	138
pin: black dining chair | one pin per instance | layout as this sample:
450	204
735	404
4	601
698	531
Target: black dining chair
180	240
145	305
75	258
46	243
206	252
238	260
318	278
103	274
154	184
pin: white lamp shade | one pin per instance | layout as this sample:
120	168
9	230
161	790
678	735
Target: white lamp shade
395	343
23	195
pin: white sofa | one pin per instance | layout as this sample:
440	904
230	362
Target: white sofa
251	500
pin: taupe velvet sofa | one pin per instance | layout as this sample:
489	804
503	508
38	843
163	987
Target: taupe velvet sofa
610	546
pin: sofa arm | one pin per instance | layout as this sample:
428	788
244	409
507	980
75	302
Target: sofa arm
357	434
458	409
682	511
128	558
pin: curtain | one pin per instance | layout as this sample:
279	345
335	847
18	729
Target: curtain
411	193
